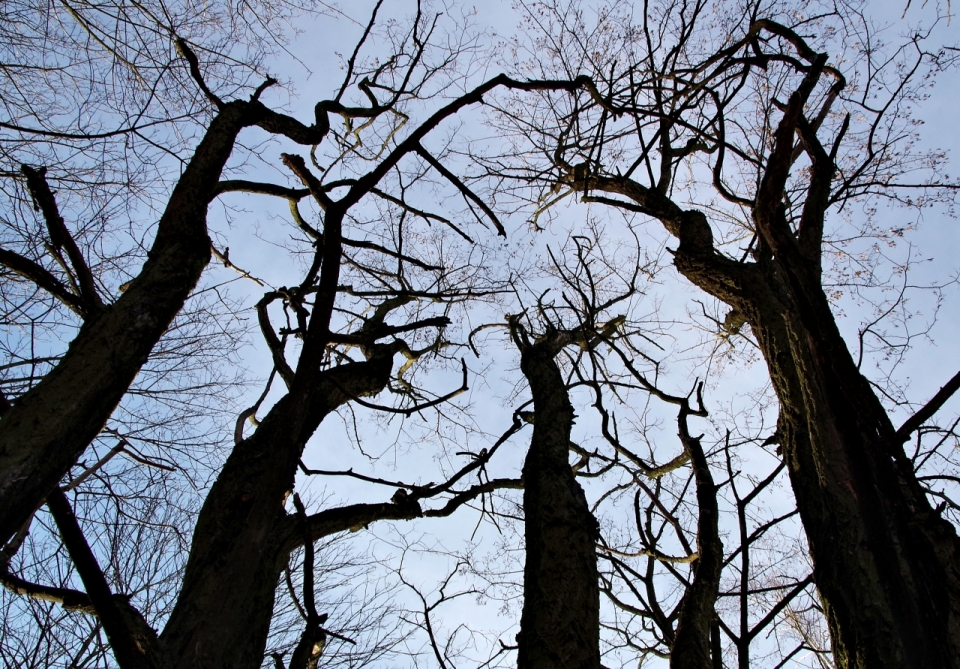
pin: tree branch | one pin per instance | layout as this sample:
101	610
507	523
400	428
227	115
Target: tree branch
72	600
462	187
770	192
44	280
926	412
184	50
44	200
691	647
273	342
127	643
261	188
419	407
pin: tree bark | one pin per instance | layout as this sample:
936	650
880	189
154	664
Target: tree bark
692	643
560	623
886	565
240	547
46	430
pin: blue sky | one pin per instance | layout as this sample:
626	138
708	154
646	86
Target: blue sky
933	244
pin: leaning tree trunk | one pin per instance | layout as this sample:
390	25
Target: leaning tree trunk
43	434
45	430
560	623
223	611
886	565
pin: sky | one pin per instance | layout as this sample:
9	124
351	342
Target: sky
932	242
257	230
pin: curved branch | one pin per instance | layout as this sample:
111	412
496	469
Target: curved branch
44	280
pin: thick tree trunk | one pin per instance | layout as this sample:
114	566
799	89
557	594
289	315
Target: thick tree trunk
240	547
560	624
886	565
47	429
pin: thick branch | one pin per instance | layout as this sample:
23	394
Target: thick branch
363	244
330	254
810	232
44	280
926	412
356	517
60	237
261	188
408	411
379	331
184	50
766	212
128	647
273	342
691	647
462	187
72	600
411	144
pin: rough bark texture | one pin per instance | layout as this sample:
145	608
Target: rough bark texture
47	429
241	544
223	612
886	565
560	623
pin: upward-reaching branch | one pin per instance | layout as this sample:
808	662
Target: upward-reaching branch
60	237
692	647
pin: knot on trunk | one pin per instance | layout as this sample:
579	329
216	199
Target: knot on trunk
694	234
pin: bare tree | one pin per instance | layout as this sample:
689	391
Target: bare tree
223	603
99	93
561	602
142	529
780	139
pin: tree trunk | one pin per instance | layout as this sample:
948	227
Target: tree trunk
560	623
886	565
223	612
48	428
692	643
